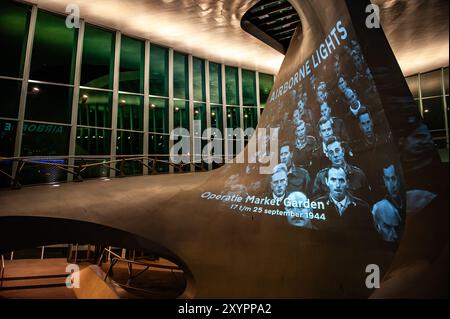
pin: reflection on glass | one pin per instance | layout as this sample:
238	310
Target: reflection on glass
233	117
54	49
159	71
431	83
215	83
413	84
131	76
7	137
129	143
158	115
249	87
181	114
94	108
180	76
199	79
433	113
14	19
232	85
49	103
216	117
130	112
98	58
93	141
45	139
9	98
158	144
250	118
265	85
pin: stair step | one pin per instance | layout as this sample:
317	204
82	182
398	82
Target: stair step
43	286
35	277
23	283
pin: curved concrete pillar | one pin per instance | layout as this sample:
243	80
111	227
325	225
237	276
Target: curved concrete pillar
224	227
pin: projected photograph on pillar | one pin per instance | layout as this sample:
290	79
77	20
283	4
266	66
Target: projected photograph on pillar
324	157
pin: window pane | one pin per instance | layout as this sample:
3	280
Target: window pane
200	115
250	118
159	115
49	103
93	141
98	58
41	172
158	144
216	117
9	97
199	79
431	83
265	85
433	113
94	108
45	139
215	83
180	76
413	84
131	65
14	19
159	71
233	117
54	49
7	137
249	87
130	112
129	143
231	76
181	114
446	80
94	171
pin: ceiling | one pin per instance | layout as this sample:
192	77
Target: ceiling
418	30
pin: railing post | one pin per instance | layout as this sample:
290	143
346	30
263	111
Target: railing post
15	182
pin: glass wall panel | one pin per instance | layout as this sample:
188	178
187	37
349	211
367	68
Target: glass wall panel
94	171
54	49
93	141
433	113
94	108
199	115
159	115
265	85
446	80
7	139
181	114
159	71
180	76
45	139
14	20
98	58
215	83
233	117
9	97
232	85
249	87
431	83
216	117
130	112
131	76
199	79
158	144
250	118
413	84
49	103
43	171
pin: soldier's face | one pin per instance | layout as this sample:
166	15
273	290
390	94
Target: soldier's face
326	130
297	117
301	106
301	131
388	227
336	154
391	181
337	183
419	142
325	111
285	156
279	183
322	93
351	97
366	125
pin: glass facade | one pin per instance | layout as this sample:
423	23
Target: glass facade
431	92
265	85
90	122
